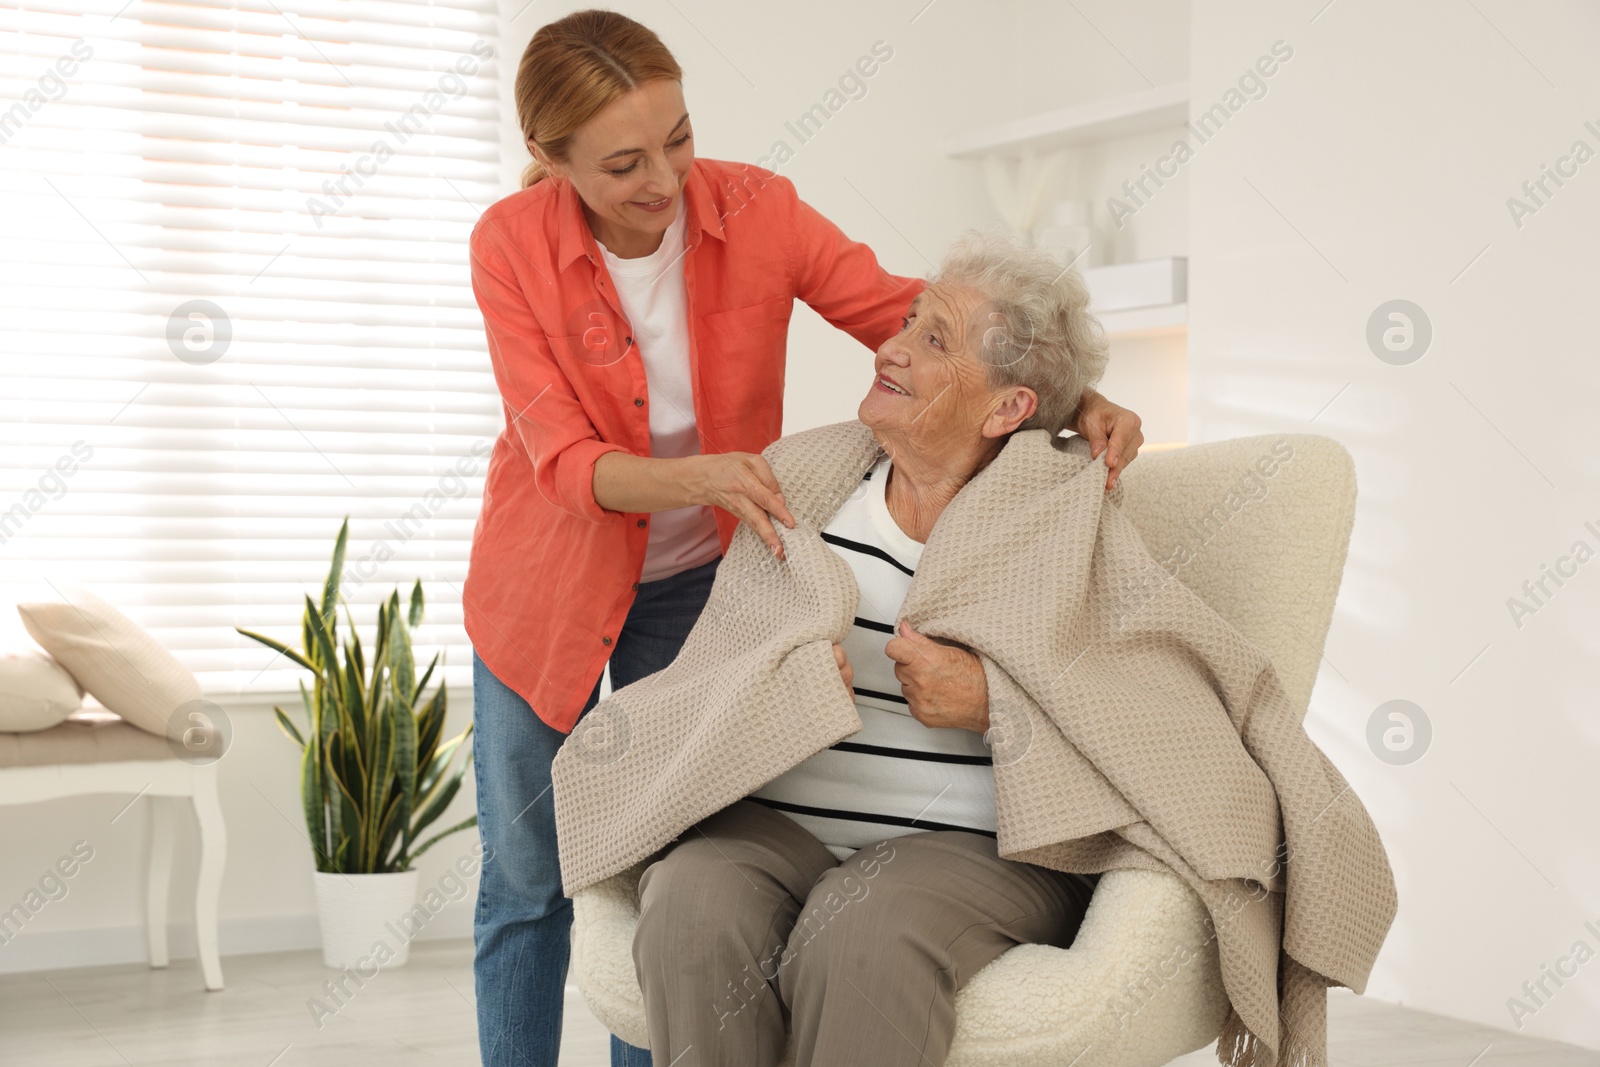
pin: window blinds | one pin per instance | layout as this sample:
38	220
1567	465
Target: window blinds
235	307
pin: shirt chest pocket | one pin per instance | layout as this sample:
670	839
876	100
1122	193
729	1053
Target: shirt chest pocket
742	363
594	337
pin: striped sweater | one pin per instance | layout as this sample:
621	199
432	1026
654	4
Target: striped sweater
896	776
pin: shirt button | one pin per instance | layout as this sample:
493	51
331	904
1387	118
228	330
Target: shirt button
627	340
641	522
605	640
636	586
638	401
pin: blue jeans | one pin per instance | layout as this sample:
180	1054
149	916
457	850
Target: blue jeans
523	921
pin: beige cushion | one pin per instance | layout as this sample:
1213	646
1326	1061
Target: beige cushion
87	736
112	657
35	692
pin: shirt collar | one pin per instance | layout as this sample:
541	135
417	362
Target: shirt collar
577	240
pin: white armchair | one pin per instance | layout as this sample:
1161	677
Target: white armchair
1267	552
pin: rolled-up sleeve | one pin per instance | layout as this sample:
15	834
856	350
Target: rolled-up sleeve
842	280
561	442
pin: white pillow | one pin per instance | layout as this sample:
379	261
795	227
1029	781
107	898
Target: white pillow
35	692
112	657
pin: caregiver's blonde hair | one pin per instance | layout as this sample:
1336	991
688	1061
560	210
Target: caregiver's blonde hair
573	68
1037	330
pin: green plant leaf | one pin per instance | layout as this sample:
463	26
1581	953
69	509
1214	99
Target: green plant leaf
353	828
355	642
330	588
379	781
389	832
311	800
380	658
307	641
353	770
327	663
415	619
288	727
423	682
278	646
442	834
324	723
348	767
333	685
430	724
306	703
440	763
354	689
437	804
403	688
401	665
406	767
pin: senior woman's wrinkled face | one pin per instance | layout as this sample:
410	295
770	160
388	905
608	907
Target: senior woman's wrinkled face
931	387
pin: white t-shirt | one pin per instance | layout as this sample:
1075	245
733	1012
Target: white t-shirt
652	294
895	776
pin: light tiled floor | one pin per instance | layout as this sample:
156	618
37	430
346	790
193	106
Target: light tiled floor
422	1014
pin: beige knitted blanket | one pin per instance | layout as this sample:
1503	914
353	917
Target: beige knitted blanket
1134	727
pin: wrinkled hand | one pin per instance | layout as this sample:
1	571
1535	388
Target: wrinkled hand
943	685
1107	426
847	672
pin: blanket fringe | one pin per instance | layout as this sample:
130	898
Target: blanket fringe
1237	1046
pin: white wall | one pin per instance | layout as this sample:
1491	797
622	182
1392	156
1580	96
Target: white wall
1378	167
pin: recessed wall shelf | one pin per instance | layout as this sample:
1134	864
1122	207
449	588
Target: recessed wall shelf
1098	120
1145	322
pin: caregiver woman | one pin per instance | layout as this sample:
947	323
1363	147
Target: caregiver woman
636	302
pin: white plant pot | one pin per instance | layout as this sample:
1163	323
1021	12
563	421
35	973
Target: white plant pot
364	918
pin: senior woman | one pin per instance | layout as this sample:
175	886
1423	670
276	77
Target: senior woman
859	890
636	301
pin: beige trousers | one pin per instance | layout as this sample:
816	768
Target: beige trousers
748	925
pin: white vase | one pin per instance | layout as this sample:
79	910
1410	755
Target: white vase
1068	234
367	920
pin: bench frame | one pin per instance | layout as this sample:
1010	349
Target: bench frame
168	783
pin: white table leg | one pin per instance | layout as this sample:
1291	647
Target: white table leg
159	877
213	856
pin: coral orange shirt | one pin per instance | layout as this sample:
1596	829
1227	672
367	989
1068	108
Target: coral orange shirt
552	574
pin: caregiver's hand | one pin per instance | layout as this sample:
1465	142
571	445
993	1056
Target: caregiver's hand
742	484
1109	426
739	482
943	685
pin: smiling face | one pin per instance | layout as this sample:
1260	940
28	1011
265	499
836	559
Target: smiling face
629	164
931	391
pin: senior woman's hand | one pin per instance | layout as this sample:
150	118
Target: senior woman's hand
846	672
943	685
1107	425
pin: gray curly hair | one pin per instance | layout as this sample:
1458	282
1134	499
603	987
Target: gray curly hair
1040	333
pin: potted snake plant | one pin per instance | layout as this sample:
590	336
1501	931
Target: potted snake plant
375	772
